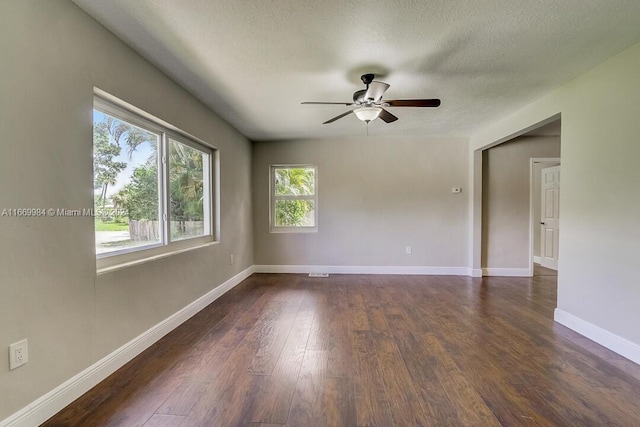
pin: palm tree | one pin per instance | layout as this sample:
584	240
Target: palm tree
133	136
105	169
294	182
186	184
139	197
108	137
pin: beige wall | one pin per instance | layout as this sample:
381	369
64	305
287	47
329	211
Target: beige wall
506	200
52	56
598	287
376	196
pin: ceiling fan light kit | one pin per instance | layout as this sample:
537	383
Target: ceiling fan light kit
369	102
366	114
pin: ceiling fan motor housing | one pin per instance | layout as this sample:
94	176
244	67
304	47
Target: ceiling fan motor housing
358	96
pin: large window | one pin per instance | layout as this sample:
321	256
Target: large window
152	186
294	199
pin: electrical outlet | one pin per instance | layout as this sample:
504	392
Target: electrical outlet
231	259
407	250
18	354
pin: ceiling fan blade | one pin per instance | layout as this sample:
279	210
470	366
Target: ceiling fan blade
413	103
338	117
329	103
375	91
387	117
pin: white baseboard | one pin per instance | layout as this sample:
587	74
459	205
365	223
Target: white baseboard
613	342
506	272
476	272
348	269
51	403
536	259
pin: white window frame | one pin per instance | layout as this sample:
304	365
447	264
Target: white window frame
105	262
273	198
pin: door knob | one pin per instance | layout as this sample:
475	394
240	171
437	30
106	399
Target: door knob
542	223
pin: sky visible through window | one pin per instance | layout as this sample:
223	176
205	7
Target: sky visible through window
138	157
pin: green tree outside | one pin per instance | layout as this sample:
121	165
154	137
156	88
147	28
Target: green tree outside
294	182
105	169
139	198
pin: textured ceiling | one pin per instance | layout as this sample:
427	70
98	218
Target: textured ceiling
253	62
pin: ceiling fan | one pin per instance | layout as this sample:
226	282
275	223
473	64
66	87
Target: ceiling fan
369	103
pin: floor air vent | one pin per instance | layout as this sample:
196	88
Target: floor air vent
318	275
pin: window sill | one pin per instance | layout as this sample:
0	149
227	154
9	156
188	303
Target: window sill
154	257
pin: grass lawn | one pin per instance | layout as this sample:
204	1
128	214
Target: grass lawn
111	226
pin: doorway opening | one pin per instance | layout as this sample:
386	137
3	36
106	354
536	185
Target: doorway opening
508	239
544	216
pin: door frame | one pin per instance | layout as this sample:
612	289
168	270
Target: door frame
553	161
475	181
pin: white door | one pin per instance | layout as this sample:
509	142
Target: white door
550	217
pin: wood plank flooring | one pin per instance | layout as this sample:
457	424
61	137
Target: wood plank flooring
539	270
359	350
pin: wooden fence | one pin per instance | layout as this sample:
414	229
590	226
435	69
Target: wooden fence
143	230
149	230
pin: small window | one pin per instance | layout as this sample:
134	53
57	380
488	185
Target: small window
294	201
153	187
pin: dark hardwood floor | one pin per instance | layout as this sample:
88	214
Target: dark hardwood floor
358	350
539	270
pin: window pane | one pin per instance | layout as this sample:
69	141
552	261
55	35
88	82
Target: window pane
188	200
125	181
295	181
295	213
